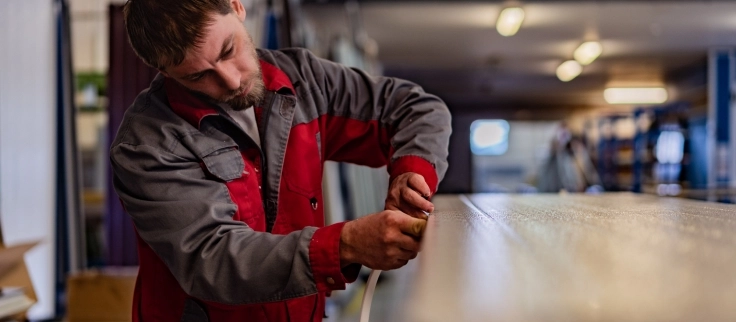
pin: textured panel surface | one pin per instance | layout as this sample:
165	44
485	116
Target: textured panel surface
614	257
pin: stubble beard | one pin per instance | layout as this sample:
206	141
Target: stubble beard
236	99
239	102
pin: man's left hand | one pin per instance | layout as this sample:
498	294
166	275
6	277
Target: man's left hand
409	193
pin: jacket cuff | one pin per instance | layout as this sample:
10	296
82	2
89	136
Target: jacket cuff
416	164
324	258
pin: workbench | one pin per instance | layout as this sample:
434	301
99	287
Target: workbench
610	257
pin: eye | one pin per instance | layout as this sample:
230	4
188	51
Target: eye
196	77
229	52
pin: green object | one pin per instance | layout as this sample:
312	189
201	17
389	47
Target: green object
97	80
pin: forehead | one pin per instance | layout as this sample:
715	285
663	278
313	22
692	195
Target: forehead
214	36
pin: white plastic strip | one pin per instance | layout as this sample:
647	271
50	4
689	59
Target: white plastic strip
365	307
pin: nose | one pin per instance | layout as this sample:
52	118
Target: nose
229	76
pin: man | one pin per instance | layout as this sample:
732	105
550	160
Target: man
219	163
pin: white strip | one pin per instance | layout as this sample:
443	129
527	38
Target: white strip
370	287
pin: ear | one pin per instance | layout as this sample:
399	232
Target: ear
163	72
239	9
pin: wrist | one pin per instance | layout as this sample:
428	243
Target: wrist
418	165
346	254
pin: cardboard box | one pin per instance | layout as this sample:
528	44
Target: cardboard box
101	296
14	274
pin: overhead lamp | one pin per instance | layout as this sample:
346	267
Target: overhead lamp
569	70
509	21
588	52
635	95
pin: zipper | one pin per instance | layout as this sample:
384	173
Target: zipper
264	168
262	157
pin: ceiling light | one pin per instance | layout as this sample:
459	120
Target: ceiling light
569	70
588	52
509	21
635	95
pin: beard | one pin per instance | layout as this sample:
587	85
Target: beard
238	100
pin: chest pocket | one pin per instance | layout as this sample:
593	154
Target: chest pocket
225	164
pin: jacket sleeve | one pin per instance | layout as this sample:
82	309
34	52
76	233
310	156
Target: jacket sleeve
187	219
378	121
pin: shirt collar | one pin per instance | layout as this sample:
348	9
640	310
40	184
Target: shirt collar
193	108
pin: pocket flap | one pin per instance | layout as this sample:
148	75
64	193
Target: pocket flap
226	164
306	192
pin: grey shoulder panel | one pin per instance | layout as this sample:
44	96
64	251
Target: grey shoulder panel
420	122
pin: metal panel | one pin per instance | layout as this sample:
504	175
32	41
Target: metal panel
70	229
27	138
614	257
721	172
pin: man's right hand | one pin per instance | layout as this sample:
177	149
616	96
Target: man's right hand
385	240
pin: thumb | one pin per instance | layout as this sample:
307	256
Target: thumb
413	226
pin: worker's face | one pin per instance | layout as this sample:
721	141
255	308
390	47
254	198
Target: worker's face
225	66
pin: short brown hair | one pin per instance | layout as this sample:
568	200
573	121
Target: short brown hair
161	31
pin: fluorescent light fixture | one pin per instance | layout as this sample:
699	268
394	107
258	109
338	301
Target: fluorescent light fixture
635	95
509	21
569	70
588	52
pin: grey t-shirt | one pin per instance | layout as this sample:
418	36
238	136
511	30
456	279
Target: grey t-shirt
247	120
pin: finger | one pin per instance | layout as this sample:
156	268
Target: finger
414	212
405	254
413	227
409	245
413	198
417	183
418	214
399	263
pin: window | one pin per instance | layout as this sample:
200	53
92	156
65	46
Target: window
489	137
670	146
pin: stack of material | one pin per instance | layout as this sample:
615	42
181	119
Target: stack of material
16	289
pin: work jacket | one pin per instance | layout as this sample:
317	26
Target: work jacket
228	231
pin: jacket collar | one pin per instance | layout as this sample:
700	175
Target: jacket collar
193	108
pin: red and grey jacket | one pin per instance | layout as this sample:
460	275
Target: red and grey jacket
229	231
